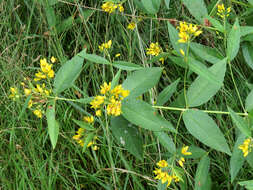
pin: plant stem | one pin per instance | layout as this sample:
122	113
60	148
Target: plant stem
206	111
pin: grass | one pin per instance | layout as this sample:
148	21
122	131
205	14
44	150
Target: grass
27	160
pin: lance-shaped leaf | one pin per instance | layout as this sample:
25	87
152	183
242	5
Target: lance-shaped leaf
166	141
197	9
247	51
202	90
53	126
201	176
128	136
203	128
144	115
240	123
237	159
233	41
165	95
249	102
202	71
68	73
126	65
247	184
141	81
207	53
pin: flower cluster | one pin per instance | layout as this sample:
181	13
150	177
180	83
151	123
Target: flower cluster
105	46
184	152
46	70
187	31
38	92
222	12
154	49
110	7
109	98
80	135
246	147
164	174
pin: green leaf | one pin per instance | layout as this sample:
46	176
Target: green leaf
128	136
245	30
216	24
197	8
202	127
68	73
165	95
202	71
151	6
95	58
196	152
240	123
50	14
166	141
249	102
198	93
84	125
65	25
115	80
24	106
247	184
233	42
173	34
202	172
53	126
126	65
178	61
157	58
237	159
144	115
141	81
250	2
167	3
247	51
207	53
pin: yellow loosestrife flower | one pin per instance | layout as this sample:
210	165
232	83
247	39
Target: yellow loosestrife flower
246	147
38	113
184	151
222	11
162	164
89	119
53	59
154	49
187	31
14	93
105	46
46	69
131	26
111	99
109	7
164	174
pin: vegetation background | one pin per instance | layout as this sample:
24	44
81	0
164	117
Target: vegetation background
27	160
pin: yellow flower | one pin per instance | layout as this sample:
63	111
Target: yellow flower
121	8
39	76
131	26
76	137
27	91
53	59
38	113
95	147
105	88
89	119
50	74
222	11
154	49
114	108
181	161
14	93
98	113
162	164
187	31
184	151
182	52
109	7
106	45
97	101
30	103
246	147
117	55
